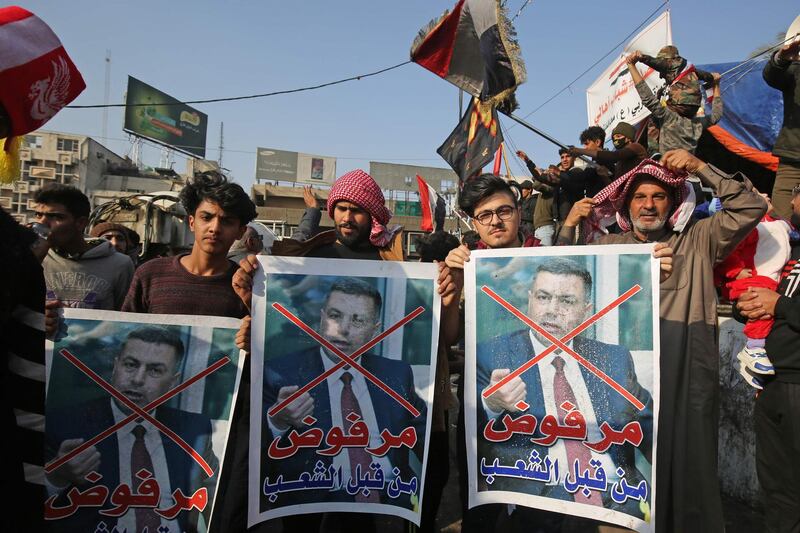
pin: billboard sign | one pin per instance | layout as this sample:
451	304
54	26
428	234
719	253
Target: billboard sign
397	177
154	115
280	165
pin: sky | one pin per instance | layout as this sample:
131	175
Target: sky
203	49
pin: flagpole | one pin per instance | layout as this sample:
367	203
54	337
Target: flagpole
539	132
534	129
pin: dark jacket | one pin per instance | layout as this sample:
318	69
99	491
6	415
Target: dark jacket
785	76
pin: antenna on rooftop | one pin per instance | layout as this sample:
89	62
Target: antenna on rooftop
221	142
106	96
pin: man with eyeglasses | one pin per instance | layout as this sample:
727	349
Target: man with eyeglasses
494	206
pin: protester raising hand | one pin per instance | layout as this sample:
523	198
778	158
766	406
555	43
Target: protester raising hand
681	161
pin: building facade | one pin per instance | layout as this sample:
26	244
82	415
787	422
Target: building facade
77	160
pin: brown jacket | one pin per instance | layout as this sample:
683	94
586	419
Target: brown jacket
293	248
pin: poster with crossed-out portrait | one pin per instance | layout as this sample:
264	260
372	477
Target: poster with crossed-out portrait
562	382
137	419
343	364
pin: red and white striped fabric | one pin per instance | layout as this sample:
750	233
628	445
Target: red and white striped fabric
37	77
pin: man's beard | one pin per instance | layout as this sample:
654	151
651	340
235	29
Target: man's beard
649	227
359	237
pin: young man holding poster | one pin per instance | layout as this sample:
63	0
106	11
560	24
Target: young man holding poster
199	283
357	207
493	204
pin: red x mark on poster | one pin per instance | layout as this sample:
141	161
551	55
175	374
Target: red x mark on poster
561	343
346	359
138	412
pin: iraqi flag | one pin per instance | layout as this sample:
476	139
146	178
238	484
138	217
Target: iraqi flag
473	47
37	77
433	207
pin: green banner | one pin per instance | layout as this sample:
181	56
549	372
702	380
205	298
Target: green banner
159	117
403	208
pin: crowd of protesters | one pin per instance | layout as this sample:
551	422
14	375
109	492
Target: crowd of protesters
636	193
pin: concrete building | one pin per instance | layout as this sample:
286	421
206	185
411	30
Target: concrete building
78	160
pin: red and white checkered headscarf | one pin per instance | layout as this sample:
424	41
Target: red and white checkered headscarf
37	77
610	202
359	188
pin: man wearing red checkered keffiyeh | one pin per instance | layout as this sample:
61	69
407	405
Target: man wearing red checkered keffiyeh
609	204
646	202
357	188
360	217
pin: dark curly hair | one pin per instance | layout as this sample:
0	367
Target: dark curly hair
70	197
435	246
216	188
477	190
593	133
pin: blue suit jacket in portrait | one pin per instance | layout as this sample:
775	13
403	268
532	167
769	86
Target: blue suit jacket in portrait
512	351
184	472
298	369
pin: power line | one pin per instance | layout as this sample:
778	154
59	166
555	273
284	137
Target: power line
582	74
251	96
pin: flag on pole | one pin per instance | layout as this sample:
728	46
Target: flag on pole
37	77
474	141
498	158
433	207
473	47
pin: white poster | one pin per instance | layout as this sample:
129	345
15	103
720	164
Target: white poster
343	363
138	413
562	380
612	98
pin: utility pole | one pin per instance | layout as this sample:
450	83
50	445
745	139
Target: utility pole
106	96
221	142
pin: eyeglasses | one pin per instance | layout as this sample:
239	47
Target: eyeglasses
504	212
796	189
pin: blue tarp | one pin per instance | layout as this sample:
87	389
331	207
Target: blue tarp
753	110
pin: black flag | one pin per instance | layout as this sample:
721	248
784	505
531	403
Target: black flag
474	141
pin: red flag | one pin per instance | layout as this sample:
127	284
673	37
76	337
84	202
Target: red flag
498	158
433	210
37	77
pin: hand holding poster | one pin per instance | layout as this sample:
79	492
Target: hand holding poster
562	380
154	395
342	374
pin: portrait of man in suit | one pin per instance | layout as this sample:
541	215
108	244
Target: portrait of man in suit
147	366
559	300
350	317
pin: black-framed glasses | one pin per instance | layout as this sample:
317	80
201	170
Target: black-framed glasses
796	189
504	212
